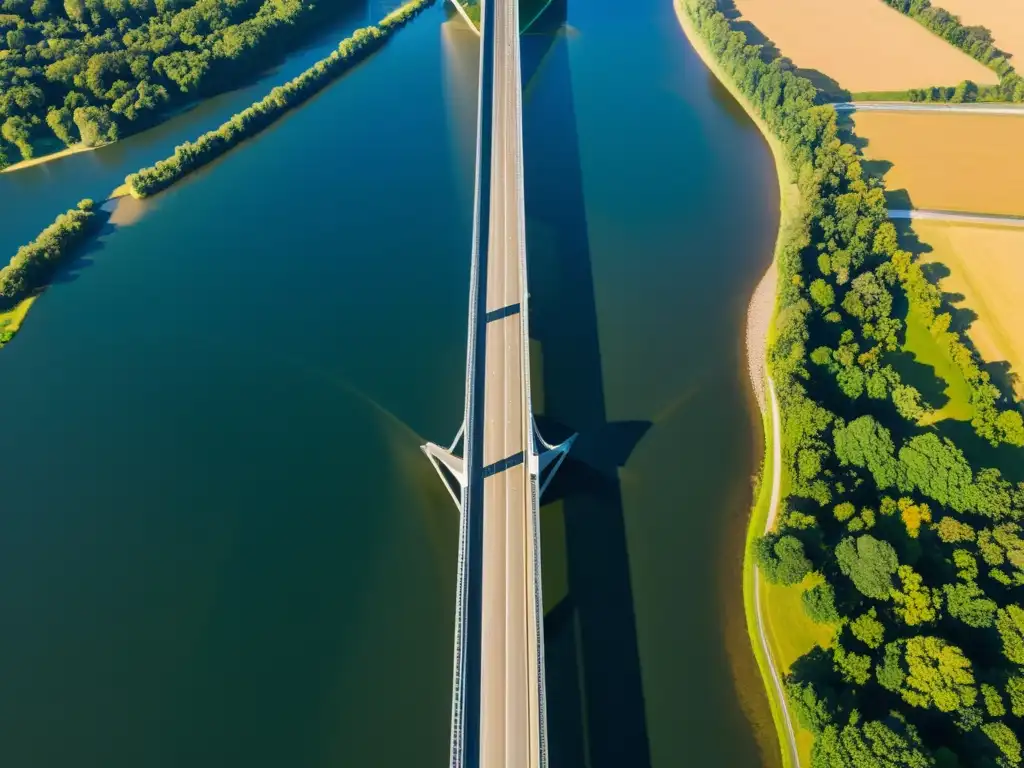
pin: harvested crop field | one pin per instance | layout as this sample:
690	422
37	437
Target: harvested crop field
986	267
862	45
946	161
1003	18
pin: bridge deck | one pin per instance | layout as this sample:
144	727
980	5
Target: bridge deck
509	701
498	711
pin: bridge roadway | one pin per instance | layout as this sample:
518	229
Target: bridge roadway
498	715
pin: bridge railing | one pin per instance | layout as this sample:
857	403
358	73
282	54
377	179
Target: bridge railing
459	660
538	600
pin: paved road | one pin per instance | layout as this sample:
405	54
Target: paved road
908	106
509	689
961	218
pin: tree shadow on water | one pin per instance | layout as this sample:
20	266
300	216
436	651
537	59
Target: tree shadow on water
595	704
83	256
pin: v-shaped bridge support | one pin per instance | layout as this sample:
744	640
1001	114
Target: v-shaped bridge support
545	459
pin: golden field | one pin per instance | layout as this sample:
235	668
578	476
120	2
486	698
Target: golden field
1004	18
863	45
947	162
986	266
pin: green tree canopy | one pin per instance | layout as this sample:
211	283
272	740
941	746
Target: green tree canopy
866	443
782	558
1010	624
869	563
820	604
938	675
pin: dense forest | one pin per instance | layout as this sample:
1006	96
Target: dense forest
31	266
918	546
975	41
91	70
195	154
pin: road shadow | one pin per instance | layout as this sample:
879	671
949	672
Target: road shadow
594	689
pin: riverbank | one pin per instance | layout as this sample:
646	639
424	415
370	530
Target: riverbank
760	317
74	149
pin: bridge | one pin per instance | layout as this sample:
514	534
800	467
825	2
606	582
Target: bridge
498	697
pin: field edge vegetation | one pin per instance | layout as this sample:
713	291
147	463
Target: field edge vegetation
977	42
911	582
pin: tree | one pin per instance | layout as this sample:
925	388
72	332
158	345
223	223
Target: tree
915	603
823	294
869	563
810	707
820	604
75	10
938	675
871	744
95	125
1005	741
1015	691
844	511
966	91
866	443
993	701
913	515
891	671
1010	624
938	469
782	559
907	400
61	124
854	667
1010	428
951	530
868	629
965	601
17	131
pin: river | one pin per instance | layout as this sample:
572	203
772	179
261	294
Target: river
219	543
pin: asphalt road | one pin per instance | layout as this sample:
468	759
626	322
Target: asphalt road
960	218
909	106
509	695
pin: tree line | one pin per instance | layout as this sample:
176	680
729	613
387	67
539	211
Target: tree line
91	70
195	154
975	41
31	266
918	551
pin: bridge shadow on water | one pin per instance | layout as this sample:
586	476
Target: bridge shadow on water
595	699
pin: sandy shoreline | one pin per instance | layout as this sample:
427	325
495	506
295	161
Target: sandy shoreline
759	321
72	150
760	316
761	309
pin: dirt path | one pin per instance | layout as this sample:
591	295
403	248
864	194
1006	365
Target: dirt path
759	317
